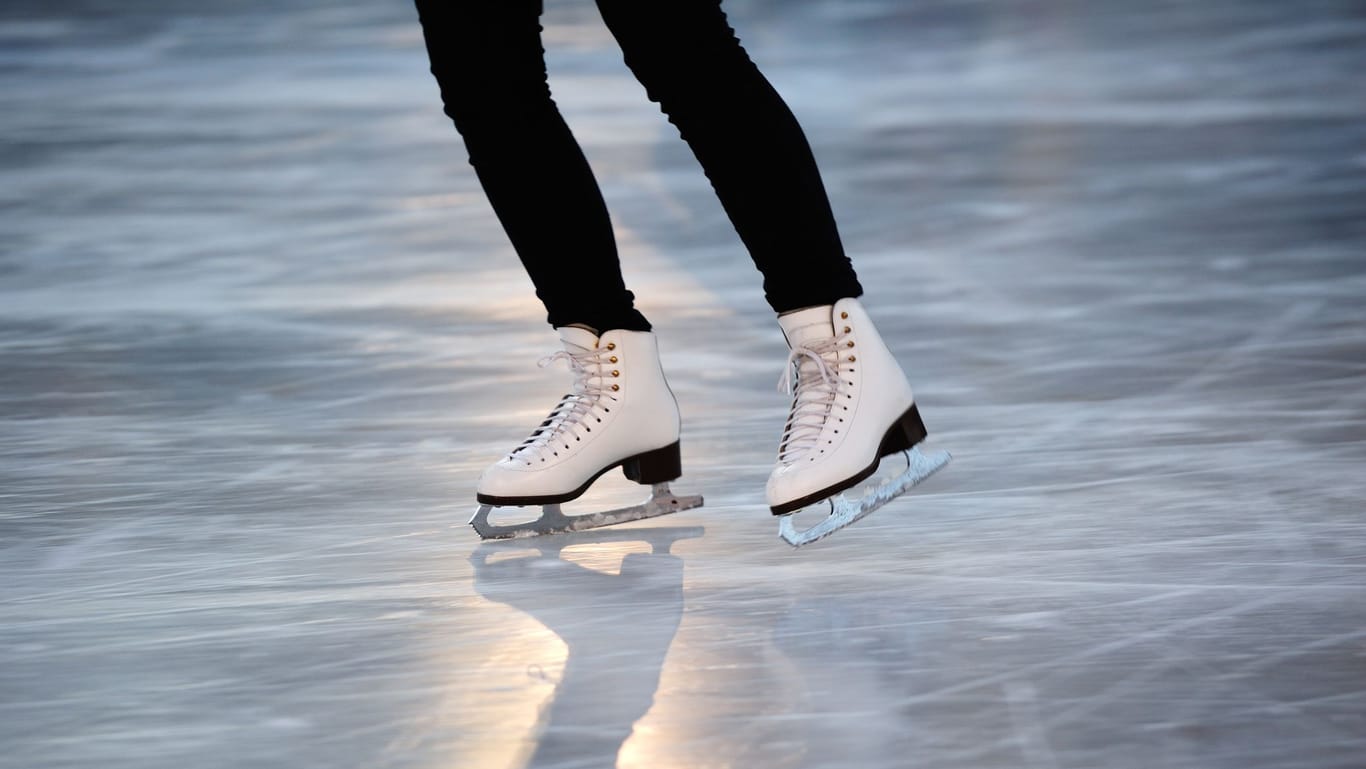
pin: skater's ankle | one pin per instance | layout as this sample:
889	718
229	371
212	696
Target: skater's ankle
800	309
583	326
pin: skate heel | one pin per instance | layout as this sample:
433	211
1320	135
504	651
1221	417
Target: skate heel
908	431
658	466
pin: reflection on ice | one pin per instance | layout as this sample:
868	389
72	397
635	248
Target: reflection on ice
609	677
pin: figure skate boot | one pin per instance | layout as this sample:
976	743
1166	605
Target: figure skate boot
620	413
851	406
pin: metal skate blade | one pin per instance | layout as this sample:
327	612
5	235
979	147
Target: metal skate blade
844	512
662	501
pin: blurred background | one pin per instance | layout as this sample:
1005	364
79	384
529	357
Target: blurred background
260	332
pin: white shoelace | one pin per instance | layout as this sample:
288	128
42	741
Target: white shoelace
575	410
817	386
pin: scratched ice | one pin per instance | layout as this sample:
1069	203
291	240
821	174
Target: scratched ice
259	332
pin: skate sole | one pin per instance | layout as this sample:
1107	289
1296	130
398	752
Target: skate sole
648	468
905	433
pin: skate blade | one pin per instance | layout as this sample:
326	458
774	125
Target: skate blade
844	512
662	501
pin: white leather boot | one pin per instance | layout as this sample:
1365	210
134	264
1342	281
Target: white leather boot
851	406
620	413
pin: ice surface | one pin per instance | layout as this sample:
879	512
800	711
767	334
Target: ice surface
259	333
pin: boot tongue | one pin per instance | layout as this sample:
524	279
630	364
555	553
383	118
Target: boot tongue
806	326
577	340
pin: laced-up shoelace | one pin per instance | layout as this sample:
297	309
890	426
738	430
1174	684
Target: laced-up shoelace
574	410
814	400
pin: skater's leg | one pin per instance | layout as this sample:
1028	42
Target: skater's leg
488	60
749	144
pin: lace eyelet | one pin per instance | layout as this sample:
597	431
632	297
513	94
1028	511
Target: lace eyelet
844	316
611	345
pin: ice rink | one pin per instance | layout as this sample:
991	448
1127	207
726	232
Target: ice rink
260	332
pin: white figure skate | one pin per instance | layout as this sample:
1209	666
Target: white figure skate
851	406
620	413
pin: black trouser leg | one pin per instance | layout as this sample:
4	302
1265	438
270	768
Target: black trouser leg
488	60
749	144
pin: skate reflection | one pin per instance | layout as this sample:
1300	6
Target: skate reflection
617	628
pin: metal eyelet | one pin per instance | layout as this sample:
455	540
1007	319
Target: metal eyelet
616	373
844	315
612	359
616	387
851	343
611	345
847	329
851	359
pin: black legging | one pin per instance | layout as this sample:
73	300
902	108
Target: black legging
487	58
